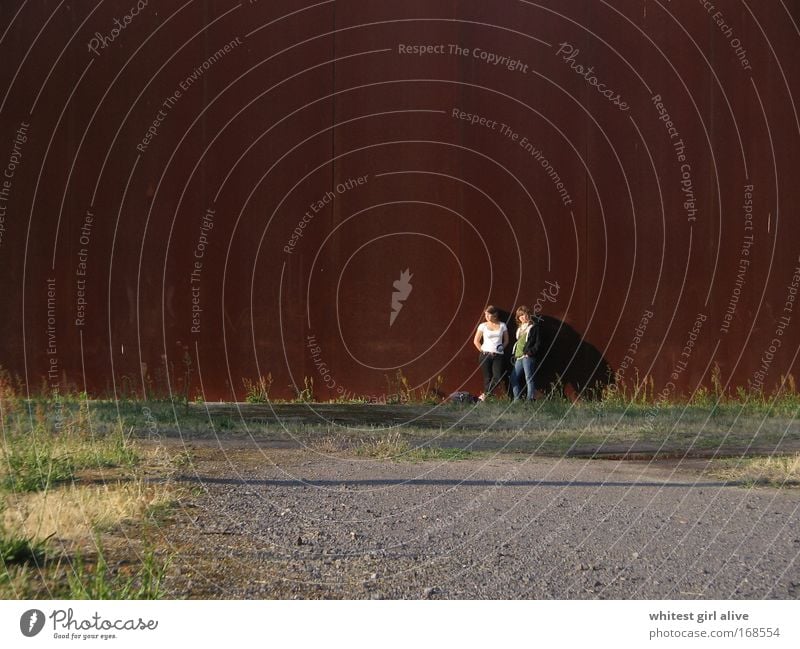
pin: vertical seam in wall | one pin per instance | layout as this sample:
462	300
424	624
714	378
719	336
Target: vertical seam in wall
335	204
333	111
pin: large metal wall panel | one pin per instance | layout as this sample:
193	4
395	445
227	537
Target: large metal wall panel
198	193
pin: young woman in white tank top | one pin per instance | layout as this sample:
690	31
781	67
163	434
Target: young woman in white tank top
491	340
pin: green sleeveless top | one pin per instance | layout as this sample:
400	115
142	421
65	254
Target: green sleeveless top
520	344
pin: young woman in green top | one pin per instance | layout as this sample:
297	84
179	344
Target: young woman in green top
525	349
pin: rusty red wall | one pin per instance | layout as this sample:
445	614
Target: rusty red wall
157	158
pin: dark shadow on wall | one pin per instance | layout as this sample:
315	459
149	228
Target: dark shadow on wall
511	323
566	361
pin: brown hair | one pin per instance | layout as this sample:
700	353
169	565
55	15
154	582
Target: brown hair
490	309
523	309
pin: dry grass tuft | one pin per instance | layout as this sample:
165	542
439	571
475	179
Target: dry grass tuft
331	444
776	470
72	513
390	446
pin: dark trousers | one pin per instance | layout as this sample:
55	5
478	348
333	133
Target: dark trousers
492	366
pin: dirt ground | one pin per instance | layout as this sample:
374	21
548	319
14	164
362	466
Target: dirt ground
266	522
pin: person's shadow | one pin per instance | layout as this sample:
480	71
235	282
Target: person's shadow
566	361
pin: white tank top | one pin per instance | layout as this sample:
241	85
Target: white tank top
492	338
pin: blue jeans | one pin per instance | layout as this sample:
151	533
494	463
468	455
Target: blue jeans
523	366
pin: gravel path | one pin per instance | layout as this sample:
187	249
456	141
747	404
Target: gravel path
285	523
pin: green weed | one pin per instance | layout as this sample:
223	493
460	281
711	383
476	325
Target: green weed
20	550
306	395
399	390
99	581
45	443
258	391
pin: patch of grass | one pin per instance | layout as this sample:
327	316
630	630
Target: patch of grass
331	444
18	582
715	418
20	550
384	448
18	553
72	513
715	397
773	471
17	549
38	567
38	453
399	390
52	450
80	578
548	426
34	469
395	447
144	580
642	391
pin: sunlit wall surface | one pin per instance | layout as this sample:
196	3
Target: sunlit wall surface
195	194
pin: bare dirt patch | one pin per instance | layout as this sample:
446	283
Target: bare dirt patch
299	523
